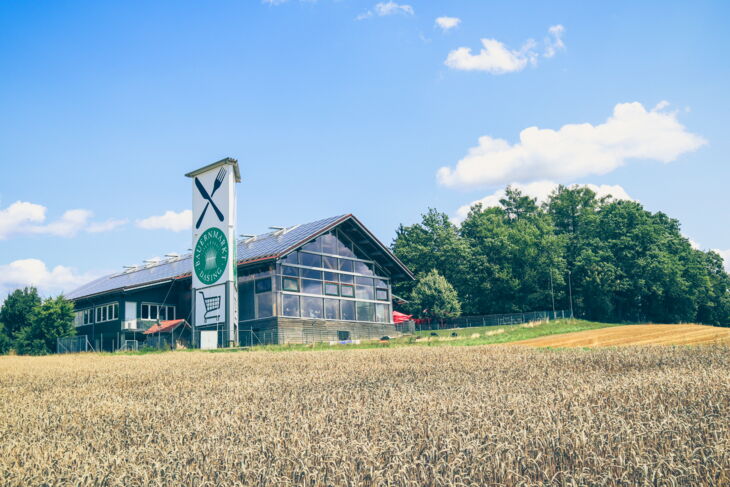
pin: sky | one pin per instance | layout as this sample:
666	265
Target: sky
380	109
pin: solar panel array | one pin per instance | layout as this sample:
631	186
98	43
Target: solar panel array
262	246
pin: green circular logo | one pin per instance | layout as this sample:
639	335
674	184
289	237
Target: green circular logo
211	255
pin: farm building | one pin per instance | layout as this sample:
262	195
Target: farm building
320	281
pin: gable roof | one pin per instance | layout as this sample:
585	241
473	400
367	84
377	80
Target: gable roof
267	246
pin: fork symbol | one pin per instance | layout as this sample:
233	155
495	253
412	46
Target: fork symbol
216	185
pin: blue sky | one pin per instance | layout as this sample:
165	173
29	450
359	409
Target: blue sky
345	106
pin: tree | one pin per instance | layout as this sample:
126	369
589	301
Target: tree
434	297
16	312
434	243
49	321
5	342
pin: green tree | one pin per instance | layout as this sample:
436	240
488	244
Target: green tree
17	309
434	297
434	243
49	321
5	342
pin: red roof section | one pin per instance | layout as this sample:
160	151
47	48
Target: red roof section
399	317
165	326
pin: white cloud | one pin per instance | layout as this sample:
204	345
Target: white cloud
34	272
19	216
447	23
554	41
384	9
540	190
23	217
725	254
695	245
170	220
496	58
574	150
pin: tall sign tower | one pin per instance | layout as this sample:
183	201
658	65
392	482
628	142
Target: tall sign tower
215	286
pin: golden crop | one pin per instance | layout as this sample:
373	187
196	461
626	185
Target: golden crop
415	416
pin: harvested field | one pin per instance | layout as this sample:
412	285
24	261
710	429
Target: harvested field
420	416
635	335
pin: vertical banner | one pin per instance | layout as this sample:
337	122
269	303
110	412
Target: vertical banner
215	286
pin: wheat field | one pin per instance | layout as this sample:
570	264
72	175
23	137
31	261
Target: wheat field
420	416
629	335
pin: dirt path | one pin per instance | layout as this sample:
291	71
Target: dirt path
635	335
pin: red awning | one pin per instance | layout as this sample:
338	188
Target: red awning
165	326
399	317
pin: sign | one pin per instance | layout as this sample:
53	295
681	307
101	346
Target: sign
215	288
210	305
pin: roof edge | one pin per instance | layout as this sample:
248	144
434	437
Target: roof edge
227	160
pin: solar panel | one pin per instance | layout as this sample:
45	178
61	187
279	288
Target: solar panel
266	245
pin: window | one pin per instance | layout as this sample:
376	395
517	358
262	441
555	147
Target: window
348	310
331	276
311	287
365	281
329	262
347	291
264	305
263	285
107	312
289	271
290	284
292	258
332	309
331	289
156	311
329	244
381	294
246	301
311	274
310	260
344	246
347	278
311	307
364	292
313	246
381	283
347	265
343	335
290	305
381	313
365	311
363	268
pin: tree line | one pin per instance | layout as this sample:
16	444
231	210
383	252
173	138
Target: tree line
30	325
620	262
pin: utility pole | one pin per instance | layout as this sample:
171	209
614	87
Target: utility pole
570	293
552	291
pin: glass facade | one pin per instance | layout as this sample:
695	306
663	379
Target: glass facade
329	278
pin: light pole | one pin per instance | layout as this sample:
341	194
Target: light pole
552	291
570	293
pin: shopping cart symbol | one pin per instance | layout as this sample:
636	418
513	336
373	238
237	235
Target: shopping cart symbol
212	305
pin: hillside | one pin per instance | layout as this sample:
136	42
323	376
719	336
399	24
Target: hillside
635	335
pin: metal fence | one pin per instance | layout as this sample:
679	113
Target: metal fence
75	344
492	320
